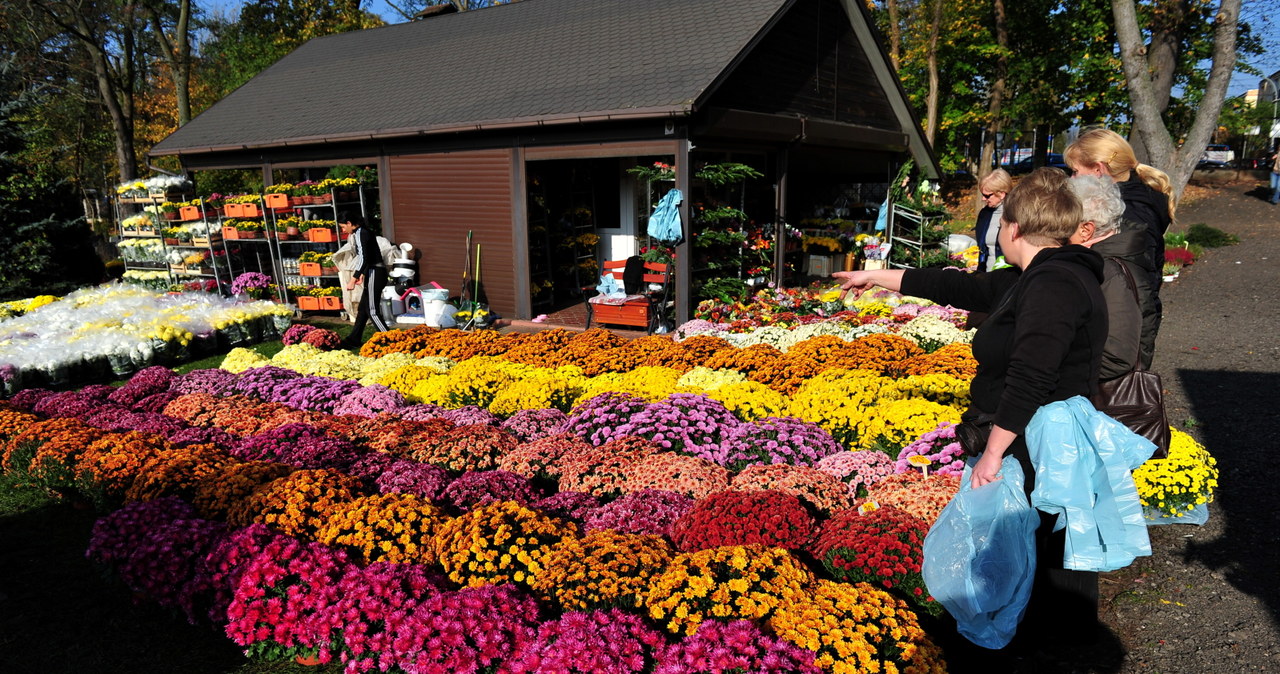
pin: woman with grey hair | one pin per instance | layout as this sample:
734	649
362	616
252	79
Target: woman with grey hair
1132	325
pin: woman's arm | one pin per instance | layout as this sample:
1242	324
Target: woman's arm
861	281
987	469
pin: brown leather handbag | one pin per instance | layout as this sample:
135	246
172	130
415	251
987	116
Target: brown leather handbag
1136	398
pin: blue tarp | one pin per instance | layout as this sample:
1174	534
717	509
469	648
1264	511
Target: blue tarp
664	224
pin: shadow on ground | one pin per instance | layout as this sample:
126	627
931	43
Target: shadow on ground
1242	407
58	614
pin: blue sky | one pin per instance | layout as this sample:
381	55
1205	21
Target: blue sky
1265	23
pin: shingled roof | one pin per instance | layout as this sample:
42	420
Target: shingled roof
529	62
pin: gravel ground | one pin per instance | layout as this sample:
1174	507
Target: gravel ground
1207	599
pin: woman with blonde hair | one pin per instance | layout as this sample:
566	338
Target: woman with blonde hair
1145	190
993	187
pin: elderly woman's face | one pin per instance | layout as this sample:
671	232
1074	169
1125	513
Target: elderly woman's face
993	198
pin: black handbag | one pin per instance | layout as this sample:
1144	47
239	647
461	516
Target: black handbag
1136	398
972	434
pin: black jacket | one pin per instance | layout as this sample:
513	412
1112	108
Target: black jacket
1044	338
1149	208
368	253
1133	327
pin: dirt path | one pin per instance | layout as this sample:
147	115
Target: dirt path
1207	600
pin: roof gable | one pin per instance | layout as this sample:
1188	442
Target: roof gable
527	61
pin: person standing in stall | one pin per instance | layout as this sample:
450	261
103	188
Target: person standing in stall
369	271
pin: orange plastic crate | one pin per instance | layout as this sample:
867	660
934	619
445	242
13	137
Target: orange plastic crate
330	302
321	235
309	269
308	303
276	200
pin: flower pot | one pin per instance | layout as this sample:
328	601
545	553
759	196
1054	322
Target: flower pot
276	200
330	303
170	242
292	231
190	213
172	215
248	234
329	271
308	303
322	198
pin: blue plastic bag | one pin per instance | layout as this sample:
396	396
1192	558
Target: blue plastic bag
609	287
980	556
1084	461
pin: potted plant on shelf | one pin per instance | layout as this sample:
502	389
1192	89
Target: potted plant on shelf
251	284
170	235
290	227
169	210
249	229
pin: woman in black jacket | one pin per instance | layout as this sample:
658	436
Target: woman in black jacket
1042	343
1146	192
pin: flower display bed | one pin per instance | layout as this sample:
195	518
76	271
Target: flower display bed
594	504
112	330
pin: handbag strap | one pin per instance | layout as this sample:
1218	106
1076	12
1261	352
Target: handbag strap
1133	289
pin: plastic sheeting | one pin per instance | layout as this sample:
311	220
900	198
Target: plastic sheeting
1084	461
980	556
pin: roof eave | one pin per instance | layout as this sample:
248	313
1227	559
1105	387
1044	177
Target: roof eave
620	114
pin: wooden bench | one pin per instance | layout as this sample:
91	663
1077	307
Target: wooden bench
641	310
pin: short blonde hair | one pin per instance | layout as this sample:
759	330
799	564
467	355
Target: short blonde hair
998	180
1044	207
1114	152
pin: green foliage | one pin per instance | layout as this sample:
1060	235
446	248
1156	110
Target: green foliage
726	290
267	30
1209	237
47	242
726	173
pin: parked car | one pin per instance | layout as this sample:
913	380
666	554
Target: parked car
1211	165
1219	153
1025	165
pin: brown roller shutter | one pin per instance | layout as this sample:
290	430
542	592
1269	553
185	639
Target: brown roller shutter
438	197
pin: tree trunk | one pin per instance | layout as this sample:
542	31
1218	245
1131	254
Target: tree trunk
1167	34
895	35
116	91
1177	162
995	107
177	53
931	104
